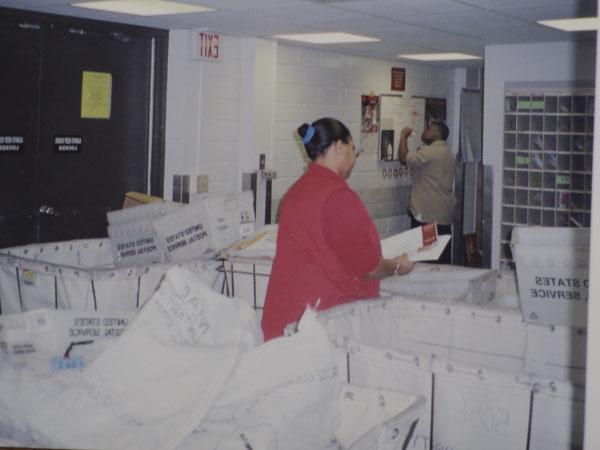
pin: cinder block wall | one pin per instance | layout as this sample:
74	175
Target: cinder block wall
208	120
313	84
203	109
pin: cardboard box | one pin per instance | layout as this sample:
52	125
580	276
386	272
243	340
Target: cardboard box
133	198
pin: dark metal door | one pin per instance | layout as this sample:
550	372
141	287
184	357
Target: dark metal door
51	191
19	84
78	187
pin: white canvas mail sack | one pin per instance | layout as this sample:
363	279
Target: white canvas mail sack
80	275
51	275
558	413
393	370
149	389
282	395
376	418
58	340
475	408
480	365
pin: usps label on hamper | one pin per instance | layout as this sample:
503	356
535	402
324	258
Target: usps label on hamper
185	234
554	297
134	243
185	237
556	287
94	327
142	248
135	247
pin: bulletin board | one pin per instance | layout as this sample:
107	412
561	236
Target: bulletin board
395	113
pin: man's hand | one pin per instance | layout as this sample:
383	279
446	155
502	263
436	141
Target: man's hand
405	133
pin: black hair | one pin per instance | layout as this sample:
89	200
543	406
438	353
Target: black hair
326	131
442	127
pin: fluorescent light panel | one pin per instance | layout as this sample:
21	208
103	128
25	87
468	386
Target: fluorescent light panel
577	24
143	7
326	38
439	56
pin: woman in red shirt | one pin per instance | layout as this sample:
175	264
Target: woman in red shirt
328	249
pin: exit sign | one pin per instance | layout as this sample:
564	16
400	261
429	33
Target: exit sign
206	46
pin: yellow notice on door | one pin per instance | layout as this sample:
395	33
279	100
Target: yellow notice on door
96	93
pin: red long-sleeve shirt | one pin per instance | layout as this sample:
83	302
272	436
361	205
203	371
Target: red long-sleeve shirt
326	243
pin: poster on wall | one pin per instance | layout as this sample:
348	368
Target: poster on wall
387	145
369	113
96	95
395	113
435	109
398	79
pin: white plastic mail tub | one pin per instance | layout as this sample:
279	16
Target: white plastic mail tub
552	274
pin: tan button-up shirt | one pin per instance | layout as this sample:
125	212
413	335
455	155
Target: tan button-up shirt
431	196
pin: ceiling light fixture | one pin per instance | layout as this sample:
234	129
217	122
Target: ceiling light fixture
439	56
143	7
577	24
326	38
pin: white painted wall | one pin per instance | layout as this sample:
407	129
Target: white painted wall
221	116
312	84
203	114
551	64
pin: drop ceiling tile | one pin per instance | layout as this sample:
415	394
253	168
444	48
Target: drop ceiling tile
399	9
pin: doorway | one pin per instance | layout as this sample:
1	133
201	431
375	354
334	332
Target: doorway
81	124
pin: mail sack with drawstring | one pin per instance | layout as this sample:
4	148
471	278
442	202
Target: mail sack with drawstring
148	389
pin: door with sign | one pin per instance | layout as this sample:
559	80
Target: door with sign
77	125
18	119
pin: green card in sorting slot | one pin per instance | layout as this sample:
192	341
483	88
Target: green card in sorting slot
523	160
537	104
562	179
530	104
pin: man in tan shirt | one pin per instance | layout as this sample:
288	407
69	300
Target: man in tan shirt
431	196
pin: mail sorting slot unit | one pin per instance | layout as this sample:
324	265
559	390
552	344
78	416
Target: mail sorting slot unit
246	279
